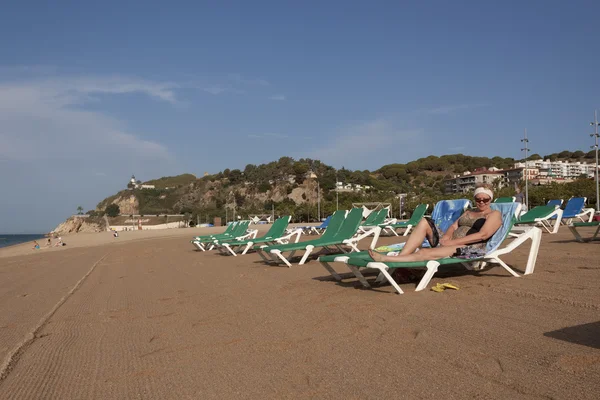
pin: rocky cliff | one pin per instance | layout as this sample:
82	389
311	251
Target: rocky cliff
80	224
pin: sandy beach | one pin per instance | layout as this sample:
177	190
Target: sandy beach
146	316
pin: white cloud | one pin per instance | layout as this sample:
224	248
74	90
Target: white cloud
216	90
65	91
267	136
13	70
238	78
40	122
370	144
457	148
54	145
451	109
278	97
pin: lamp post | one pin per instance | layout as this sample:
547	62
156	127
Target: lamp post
337	203
595	135
318	201
401	198
526	150
314	176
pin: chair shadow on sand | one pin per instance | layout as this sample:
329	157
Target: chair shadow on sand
573	241
450	271
585	335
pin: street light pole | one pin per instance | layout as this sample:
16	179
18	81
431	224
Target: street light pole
337	203
595	135
526	150
318	201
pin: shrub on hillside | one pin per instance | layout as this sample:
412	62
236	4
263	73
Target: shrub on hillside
112	210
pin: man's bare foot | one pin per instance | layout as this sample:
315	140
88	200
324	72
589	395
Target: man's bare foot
375	255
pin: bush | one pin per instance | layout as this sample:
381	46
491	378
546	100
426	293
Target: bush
264	187
112	210
94	213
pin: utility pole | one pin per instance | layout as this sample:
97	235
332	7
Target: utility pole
337	203
399	207
318	202
401	198
526	150
595	135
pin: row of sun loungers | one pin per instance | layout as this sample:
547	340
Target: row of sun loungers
343	230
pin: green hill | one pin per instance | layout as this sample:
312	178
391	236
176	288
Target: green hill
286	186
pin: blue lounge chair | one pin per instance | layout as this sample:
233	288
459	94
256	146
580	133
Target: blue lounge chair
444	214
510	213
555	202
310	229
575	210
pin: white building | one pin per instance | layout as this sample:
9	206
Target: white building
350	187
559	169
468	180
135	185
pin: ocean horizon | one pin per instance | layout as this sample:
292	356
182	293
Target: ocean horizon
13	239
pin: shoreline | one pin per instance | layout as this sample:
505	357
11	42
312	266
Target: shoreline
34	236
93	239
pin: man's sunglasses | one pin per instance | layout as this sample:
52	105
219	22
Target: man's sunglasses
480	200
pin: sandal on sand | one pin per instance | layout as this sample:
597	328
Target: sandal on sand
440	287
449	286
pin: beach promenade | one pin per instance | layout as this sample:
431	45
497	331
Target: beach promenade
147	317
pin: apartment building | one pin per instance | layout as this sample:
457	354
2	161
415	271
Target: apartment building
468	180
559	169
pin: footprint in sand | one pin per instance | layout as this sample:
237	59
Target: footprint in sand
160	315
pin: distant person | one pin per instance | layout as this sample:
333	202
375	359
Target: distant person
49	242
59	242
520	198
36	246
116	234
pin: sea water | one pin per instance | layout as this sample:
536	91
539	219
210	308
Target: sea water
10	240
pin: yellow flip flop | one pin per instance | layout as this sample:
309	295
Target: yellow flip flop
450	286
438	288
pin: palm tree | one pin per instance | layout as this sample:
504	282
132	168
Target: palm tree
79	210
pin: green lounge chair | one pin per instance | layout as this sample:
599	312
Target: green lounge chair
444	214
274	235
337	238
505	199
510	211
548	217
574	225
239	232
416	216
374	219
230	227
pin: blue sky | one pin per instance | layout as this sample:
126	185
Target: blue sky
93	92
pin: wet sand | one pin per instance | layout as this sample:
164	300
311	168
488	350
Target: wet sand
148	317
